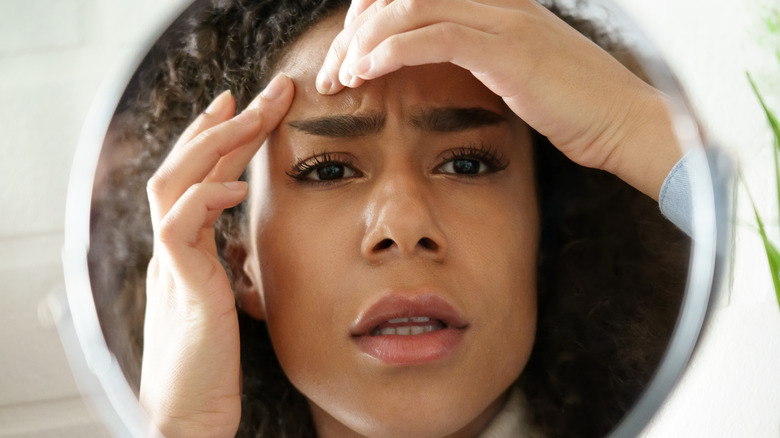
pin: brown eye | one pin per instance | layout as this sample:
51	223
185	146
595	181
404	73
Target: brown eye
472	160
330	172
324	168
463	166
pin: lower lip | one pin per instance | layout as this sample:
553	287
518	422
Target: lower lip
412	349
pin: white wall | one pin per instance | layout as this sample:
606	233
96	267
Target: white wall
732	387
53	54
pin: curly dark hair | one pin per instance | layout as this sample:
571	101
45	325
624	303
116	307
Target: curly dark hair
611	268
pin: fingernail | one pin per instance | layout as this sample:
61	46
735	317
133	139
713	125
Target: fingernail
218	102
275	87
235	185
361	67
345	78
323	83
248	116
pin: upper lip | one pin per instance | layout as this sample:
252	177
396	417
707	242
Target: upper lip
394	306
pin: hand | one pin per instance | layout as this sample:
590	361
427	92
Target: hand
563	85
190	376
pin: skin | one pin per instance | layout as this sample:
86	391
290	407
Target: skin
316	260
190	308
567	88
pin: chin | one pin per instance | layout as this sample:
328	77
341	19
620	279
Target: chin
413	417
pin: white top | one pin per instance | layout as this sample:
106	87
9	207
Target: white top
512	421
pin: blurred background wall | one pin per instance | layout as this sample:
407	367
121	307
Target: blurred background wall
54	54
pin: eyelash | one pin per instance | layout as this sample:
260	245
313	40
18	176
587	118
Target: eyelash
491	157
301	170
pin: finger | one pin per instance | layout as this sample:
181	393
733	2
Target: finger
195	160
186	234
441	42
406	15
327	78
221	108
182	225
231	166
356	8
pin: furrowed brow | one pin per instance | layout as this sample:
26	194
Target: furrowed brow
455	119
341	125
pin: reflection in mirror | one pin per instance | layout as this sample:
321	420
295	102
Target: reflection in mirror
441	250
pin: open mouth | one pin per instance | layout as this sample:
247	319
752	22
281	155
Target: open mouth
409	330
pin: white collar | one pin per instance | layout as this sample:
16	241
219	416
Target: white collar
512	421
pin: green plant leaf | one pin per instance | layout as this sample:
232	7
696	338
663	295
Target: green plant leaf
774	155
772	254
773	123
770	116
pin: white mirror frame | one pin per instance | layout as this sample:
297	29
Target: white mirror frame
99	375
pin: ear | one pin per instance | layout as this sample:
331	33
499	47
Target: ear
245	280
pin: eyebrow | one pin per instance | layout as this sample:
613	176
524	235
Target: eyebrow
455	119
448	119
341	125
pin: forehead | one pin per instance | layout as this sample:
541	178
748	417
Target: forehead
433	85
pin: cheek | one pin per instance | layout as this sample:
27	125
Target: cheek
498	247
304	249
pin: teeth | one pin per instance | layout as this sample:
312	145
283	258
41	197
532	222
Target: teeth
398	320
405	331
414	319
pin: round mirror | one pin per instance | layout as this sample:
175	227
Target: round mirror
535	293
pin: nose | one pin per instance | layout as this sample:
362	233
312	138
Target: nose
402	222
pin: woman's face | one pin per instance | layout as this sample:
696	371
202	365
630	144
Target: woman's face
394	231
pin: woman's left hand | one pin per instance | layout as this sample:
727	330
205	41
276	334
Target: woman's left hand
563	85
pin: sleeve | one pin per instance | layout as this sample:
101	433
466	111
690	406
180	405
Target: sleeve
675	197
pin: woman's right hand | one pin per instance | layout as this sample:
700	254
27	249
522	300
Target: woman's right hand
191	371
593	109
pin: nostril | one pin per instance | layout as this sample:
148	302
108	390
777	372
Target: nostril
384	244
428	244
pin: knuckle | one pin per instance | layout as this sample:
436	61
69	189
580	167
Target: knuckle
166	233
360	40
392	47
337	49
156	185
447	35
200	138
412	7
191	129
192	191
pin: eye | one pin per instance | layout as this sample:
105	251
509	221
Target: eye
472	160
324	168
330	172
464	166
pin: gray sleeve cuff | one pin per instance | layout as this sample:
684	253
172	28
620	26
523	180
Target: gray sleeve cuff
675	197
